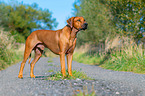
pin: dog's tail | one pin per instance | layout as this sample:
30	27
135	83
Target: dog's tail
29	58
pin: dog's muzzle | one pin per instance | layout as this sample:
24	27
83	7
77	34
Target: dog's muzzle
84	26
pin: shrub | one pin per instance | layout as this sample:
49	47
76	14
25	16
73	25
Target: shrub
7	54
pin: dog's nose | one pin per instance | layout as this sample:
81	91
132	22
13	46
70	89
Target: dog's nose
86	24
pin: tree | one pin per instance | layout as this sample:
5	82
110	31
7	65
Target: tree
128	15
109	17
99	21
23	19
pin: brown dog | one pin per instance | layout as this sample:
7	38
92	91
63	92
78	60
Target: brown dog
61	42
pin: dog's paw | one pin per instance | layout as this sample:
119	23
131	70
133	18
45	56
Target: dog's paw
32	76
20	76
70	75
64	76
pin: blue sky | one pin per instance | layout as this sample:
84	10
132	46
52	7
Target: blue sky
61	9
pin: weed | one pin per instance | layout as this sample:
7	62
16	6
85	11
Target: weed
50	61
51	71
84	92
76	74
50	65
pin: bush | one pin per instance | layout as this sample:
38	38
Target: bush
7	54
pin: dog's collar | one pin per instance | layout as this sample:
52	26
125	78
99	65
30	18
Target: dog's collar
71	27
68	26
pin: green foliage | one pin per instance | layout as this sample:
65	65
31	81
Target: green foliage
106	18
76	74
18	37
128	16
99	21
23	19
7	54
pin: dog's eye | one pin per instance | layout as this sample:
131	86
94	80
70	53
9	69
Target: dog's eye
79	20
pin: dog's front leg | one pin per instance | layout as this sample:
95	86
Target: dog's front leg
70	57
69	63
62	61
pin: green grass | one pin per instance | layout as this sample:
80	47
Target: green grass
50	65
130	59
76	74
85	94
50	60
87	59
8	58
51	71
122	61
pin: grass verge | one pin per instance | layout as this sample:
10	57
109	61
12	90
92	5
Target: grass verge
9	59
130	58
126	61
87	59
76	74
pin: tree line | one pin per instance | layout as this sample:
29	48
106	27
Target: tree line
108	18
21	20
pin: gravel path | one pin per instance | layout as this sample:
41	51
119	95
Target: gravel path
106	83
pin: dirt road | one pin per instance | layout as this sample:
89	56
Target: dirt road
106	83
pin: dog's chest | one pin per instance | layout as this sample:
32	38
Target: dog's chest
70	46
71	42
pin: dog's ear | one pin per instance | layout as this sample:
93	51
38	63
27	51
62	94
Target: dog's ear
70	22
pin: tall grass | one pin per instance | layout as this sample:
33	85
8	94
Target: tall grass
130	58
120	54
8	51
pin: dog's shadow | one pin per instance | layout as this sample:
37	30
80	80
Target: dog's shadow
45	77
42	77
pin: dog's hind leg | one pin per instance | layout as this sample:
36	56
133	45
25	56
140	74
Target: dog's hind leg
30	44
38	54
26	55
29	58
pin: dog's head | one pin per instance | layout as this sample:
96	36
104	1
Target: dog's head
77	22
